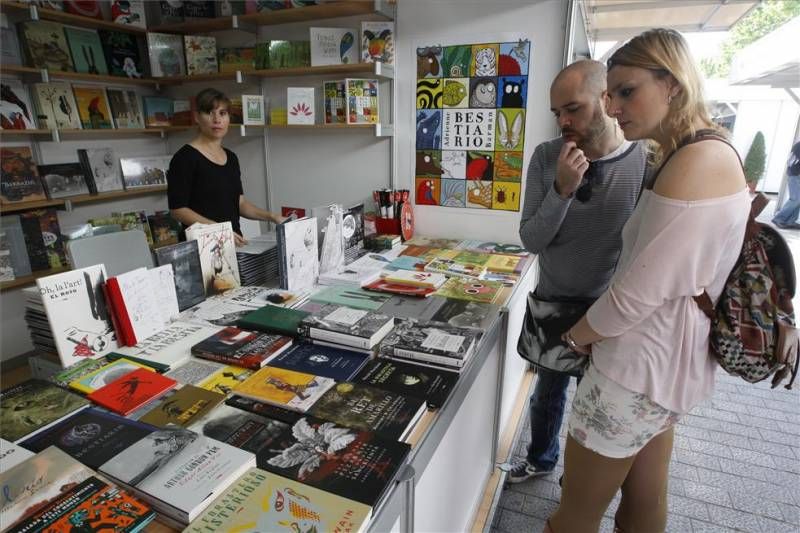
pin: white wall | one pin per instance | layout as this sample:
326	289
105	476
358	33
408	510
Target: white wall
463	21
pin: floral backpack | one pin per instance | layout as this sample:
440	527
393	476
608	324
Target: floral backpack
753	333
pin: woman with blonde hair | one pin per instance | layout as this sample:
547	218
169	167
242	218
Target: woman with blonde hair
647	337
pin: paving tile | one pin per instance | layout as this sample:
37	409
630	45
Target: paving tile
711	448
743	399
699	526
791	513
789	465
745	470
775	526
772	448
496	519
688	507
714	478
725	516
719	414
759	422
606	526
512	500
538	487
717	402
676	486
686	430
680	441
761	489
512	522
766	412
706	493
786	479
697	459
751	503
754	457
683	471
720	437
678	524
540	507
728	427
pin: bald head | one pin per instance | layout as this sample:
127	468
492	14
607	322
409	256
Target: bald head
586	75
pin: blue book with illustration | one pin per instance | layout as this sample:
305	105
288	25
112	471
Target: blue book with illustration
321	360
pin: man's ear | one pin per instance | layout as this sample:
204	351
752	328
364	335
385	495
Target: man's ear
605	100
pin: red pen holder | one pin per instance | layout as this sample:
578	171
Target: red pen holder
387	226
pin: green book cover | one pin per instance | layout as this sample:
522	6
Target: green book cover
351	297
271	318
283	54
45	45
78	370
87	52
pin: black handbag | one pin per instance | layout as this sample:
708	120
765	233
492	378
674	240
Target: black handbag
540	339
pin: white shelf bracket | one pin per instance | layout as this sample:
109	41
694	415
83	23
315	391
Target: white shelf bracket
237	24
383	70
56	135
384	130
45	75
239	76
34	12
68	205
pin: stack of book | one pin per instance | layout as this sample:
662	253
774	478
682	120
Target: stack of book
344	326
430	343
258	260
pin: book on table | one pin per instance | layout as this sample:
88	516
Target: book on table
33	405
11	455
285	388
239	347
108	373
408	379
346	326
215	243
273	319
185	260
431	342
132	391
182	408
298	259
171	346
336	363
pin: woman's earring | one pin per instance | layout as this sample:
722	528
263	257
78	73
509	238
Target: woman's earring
669	99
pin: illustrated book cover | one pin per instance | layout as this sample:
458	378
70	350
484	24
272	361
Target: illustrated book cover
102	166
300	105
215	311
201	54
122	53
140	172
334	46
355	298
239	347
481	291
56	106
232	59
132	391
298	261
320	360
377	42
63	180
104	375
12	455
408	379
361	100
285	388
344	325
158	111
185	260
253	109
183	408
33	405
19	177
128	12
334	102
432	342
217	250
16	111
86	49
165	229
78	370
45	45
126	109
166	55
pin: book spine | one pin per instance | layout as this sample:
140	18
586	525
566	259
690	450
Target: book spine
341	338
439	359
247	362
112	312
442	368
282	267
118	304
87	171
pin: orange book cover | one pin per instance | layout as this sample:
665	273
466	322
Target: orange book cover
285	388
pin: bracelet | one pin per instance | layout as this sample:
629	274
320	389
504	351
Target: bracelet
570	341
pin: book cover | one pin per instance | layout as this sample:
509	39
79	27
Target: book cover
78	370
368	408
217	251
482	291
293	390
63	180
253	108
264	409
134	297
243	429
92	505
408	379
170	11
45	45
19	177
232	59
350	297
6	268
165	229
104	375
235	110
183	408
86	49
361	99
334	102
166	55
464	314
300	105
429	280
262	501
377	42
77	313
320	360
201	53
33	405
239	347
181	112
297	248
56	106
283	54
51	236
193	371
158	367
171	346
128	12
101	164
90	436
185	260
503	263
449	345
226	379
9	42
162	468
158	111
198	9
334	46
382	285
344	325
122	54
273	319
140	172
34	241
132	391
126	109
353	232
11	455
16	111
227	8
84	8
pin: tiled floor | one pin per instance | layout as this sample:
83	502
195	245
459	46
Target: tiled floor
735	465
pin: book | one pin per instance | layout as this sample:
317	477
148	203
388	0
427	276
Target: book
166	55
15	241
78	370
382	285
334	46
165	229
140	172
9	42
128	12
16	111
350	297
86	49
215	311
432	342
217	251
181	112
135	305
201	54
104	375
56	106
226	379
273	319
90	436
132	391
45	45
239	347
408	379
158	111
298	262
84	8
285	388
185	260
232	59
102	167
361	101
347	326
34	241
90	504
253	107
300	105
464	314
503	263
262	501
198	9
482	291
162	469
264	409
227	8
429	280
366	408
319	360
170	346
377	42
334	102
19	177
77	313
183	408
353	232
158	367
63	180
277	54
11	455
6	268
169	11
122	54
33	405
126	109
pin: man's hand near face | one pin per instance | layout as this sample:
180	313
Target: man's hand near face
570	168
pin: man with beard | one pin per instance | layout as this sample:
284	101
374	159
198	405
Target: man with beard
581	189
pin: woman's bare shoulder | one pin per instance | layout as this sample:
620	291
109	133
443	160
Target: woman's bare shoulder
700	171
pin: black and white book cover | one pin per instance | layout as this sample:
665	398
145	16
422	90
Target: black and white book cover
77	313
353	232
15	240
140	172
32	405
63	180
465	314
337	323
16	111
169	11
298	253
178	471
433	338
126	108
430	384
185	260
215	244
172	345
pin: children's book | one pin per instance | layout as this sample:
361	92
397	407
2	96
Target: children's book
144	171
126	108
482	291
122	53
217	255
334	102
63	180
128	12
334	46
56	106
93	107
102	167
298	262
185	260
166	55
233	59
377	42
132	391
361	99
300	105
87	51
45	45
253	108
19	177
158	111
201	54
34	405
292	390
104	375
16	111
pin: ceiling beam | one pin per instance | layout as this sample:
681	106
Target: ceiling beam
636	6
611	34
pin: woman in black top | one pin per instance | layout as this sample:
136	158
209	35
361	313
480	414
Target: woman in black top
204	181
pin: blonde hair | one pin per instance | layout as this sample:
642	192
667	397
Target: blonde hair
665	52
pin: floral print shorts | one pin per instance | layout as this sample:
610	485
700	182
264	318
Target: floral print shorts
613	421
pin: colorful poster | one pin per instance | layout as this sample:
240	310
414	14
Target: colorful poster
470	124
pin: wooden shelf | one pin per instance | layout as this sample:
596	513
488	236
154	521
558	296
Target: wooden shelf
26	132
322	126
219	76
196	26
6	70
30	279
67	18
116	195
18	69
371	69
27	206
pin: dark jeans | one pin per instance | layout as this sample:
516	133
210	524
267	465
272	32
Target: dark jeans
547	412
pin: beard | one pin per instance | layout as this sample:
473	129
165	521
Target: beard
597	126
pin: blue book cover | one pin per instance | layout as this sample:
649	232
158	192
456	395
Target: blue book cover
321	360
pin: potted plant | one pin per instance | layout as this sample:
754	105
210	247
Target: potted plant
755	161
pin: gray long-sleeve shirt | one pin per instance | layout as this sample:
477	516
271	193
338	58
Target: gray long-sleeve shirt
578	243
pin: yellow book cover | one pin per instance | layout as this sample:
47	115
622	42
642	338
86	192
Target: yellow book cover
104	375
285	388
503	263
262	501
93	108
225	379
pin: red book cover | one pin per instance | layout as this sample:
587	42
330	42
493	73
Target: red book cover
381	285
248	349
128	338
112	313
132	391
289	212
